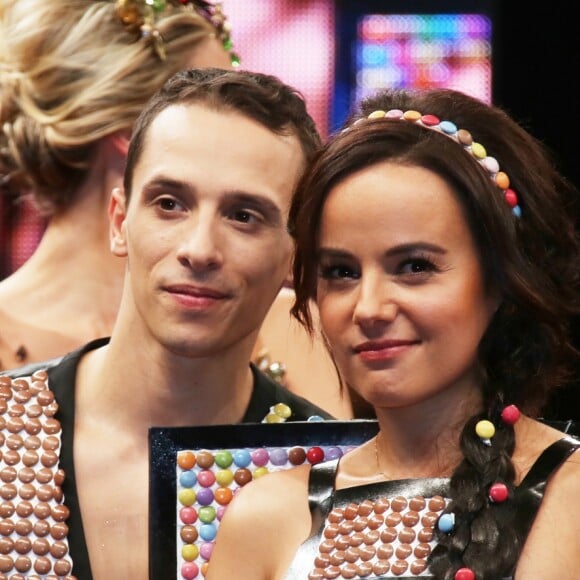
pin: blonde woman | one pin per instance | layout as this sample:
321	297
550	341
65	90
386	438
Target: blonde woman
74	75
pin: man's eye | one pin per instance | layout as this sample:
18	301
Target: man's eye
243	216
167	204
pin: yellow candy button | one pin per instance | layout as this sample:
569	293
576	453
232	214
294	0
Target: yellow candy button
411	115
485	429
478	150
282	410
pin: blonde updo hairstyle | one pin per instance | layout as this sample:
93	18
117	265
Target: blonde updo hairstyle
71	73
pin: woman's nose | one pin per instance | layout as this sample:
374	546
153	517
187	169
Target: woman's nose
374	302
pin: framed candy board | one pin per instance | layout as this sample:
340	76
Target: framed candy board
195	473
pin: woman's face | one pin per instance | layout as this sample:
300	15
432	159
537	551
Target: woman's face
400	287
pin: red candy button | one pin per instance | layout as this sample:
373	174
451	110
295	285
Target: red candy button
510	415
315	455
464	574
498	492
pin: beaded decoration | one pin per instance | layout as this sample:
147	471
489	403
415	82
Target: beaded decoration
465	139
33	515
141	16
485	429
387	537
207	482
498	491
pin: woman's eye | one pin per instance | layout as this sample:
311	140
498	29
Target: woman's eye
416	266
339	272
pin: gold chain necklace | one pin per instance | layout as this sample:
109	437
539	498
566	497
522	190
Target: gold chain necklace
381	472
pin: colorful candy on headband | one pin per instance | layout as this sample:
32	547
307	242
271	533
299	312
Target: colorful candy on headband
464	139
141	16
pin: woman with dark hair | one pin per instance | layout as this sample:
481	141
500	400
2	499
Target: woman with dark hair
439	245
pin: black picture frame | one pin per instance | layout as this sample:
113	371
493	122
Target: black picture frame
165	443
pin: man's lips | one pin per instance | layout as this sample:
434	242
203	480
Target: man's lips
199	292
199	299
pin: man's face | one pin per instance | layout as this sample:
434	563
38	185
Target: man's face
205	230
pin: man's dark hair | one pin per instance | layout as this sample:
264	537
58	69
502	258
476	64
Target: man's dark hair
261	97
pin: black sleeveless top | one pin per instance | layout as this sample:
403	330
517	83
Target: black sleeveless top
385	530
61	381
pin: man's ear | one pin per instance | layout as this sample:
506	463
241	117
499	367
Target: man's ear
117	225
289	280
120	142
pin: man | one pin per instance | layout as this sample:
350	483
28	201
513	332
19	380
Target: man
212	165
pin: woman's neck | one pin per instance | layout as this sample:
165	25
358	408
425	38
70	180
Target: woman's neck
70	288
423	440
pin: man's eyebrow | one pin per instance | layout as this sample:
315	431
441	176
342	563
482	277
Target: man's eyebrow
165	182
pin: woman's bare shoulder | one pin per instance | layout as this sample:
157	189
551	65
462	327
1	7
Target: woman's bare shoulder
532	439
289	485
262	527
552	549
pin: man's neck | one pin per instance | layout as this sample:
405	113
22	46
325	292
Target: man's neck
139	385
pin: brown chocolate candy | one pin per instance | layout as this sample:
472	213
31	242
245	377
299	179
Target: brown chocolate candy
399	567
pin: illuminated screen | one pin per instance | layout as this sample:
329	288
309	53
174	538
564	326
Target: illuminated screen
293	39
391	44
424	50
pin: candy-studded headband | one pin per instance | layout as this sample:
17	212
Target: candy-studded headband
464	138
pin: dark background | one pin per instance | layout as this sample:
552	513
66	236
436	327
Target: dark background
536	59
538	66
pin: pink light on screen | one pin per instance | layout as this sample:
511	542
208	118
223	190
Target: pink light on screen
292	39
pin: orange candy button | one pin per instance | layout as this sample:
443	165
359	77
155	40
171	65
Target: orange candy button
223	495
186	460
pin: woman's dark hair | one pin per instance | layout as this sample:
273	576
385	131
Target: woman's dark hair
531	262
